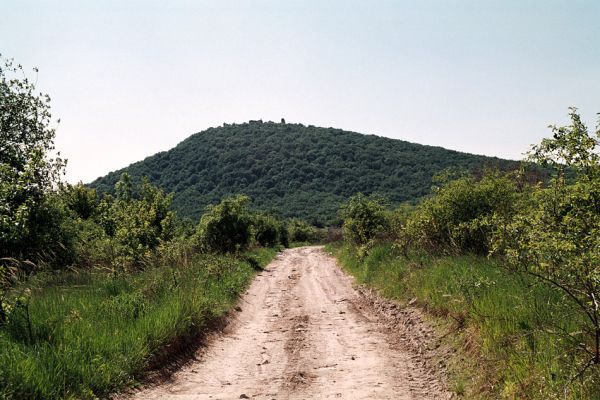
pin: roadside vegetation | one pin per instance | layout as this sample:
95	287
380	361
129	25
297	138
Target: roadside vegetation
86	334
96	289
508	266
294	170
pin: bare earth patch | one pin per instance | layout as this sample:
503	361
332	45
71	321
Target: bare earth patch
305	332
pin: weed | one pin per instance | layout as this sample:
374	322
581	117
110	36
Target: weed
84	335
508	323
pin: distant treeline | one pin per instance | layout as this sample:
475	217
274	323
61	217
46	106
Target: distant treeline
76	227
295	171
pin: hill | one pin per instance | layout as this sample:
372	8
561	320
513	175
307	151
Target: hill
294	170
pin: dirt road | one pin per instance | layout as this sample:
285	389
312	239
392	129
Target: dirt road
304	332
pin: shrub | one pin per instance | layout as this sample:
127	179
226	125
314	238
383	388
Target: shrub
27	170
459	216
300	231
364	217
225	227
136	226
556	234
82	200
283	234
266	229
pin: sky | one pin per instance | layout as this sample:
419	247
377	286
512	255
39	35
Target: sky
132	78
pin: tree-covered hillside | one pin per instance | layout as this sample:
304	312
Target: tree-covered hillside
294	170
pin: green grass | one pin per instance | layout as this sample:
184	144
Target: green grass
293	245
84	335
504	327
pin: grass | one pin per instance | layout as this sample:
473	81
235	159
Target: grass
504	329
85	335
293	245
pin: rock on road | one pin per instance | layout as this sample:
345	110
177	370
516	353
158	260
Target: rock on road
302	333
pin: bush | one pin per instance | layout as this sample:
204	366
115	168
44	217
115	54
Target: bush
364	218
142	223
283	234
266	229
225	227
75	227
300	231
27	170
556	234
459	216
80	199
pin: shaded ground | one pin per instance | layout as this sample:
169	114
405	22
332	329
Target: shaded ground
304	332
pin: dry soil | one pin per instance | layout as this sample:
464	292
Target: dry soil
304	331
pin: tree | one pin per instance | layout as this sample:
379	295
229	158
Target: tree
81	200
266	229
556	235
300	231
225	227
27	168
364	217
141	223
459	217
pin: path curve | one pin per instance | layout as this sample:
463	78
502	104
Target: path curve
303	332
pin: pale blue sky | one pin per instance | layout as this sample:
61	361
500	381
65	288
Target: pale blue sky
131	78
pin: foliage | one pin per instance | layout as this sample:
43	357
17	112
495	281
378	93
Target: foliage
73	227
571	147
27	169
460	214
293	170
225	227
80	199
547	234
141	224
364	217
122	232
267	230
83	335
397	219
300	231
556	234
499	327
283	234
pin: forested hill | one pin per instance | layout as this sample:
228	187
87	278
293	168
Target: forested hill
292	169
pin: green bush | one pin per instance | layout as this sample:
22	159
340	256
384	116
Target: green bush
364	218
283	234
555	235
300	231
459	216
74	227
80	199
266	229
141	224
121	232
226	227
28	172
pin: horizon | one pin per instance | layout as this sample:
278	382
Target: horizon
130	80
288	123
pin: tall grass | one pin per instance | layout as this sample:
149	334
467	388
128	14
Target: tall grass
513	334
83	335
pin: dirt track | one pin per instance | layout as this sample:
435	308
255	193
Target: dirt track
304	332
